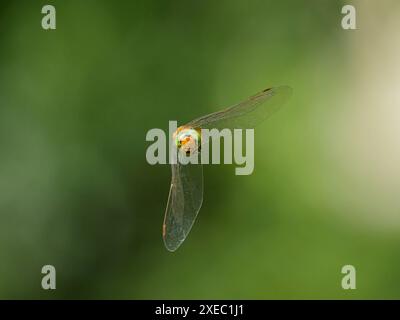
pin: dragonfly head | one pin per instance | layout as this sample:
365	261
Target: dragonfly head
187	139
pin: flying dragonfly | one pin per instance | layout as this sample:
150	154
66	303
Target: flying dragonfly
186	190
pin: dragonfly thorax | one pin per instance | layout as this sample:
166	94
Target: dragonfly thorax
187	139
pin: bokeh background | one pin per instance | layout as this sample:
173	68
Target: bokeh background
76	190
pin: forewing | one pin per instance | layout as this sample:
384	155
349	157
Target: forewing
184	202
248	113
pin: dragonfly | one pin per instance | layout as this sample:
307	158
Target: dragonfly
186	190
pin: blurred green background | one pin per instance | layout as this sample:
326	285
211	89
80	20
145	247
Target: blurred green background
76	191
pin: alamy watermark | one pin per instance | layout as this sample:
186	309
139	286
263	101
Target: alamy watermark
349	280
192	145
349	19
49	20
49	280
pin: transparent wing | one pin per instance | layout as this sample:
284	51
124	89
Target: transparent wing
184	202
246	114
186	191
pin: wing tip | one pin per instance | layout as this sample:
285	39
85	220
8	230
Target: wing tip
171	247
283	90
